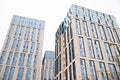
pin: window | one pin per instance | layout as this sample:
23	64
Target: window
59	44
66	74
110	34
7	43
109	54
18	45
94	30
78	27
17	32
26	44
21	32
37	48
35	61
0	68
116	35
38	36
70	72
9	58
29	60
49	75
102	32
98	50
85	28
34	74
74	71
33	35
14	44
83	69
116	51
82	48
45	75
2	57
11	31
113	72
92	70
72	49
103	71
11	73
68	34
27	33
90	47
71	32
65	39
21	60
59	62
6	73
20	73
28	74
15	57
66	58
32	47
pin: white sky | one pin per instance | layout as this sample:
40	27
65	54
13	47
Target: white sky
52	12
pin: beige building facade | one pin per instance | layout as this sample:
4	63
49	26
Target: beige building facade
20	57
87	46
48	66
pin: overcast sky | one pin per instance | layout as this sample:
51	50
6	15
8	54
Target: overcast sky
52	12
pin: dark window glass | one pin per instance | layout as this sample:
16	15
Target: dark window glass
70	72
74	71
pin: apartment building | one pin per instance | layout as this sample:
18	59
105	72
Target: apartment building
87	46
20	57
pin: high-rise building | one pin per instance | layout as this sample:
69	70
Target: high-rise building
87	46
22	50
48	66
